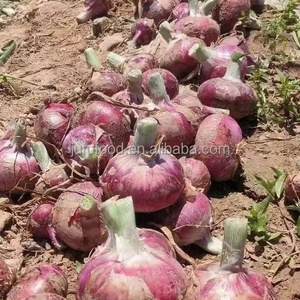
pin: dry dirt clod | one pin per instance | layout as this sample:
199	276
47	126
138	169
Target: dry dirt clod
5	219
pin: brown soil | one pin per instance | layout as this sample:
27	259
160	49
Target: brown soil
49	52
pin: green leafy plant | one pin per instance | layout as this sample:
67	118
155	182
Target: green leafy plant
258	218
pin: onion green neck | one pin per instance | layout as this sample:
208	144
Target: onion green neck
158	90
41	155
200	53
91	58
145	134
120	218
207	7
88	207
134	79
165	31
19	137
193	7
235	236
116	61
235	67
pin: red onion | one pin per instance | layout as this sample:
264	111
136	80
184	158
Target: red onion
124	65
154	180
198	24
229	92
7	278
53	175
176	123
18	167
108	83
230	278
94	9
216	145
176	57
123	268
109	118
143	31
76	217
40	223
52	123
41	279
46	296
171	83
235	40
214	62
156	241
180	11
196	174
228	12
292	189
90	146
158	10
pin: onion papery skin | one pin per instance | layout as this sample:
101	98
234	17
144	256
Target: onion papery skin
46	296
171	83
215	132
7	278
201	27
53	122
108	83
143	62
77	232
180	11
41	279
292	189
110	119
153	184
85	144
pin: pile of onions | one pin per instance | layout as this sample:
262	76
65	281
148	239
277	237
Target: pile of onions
124	65
77	219
143	31
42	279
90	146
109	118
53	122
292	189
123	268
108	83
216	145
40	224
229	92
229	277
53	176
154	180
18	166
214	62
7	278
198	24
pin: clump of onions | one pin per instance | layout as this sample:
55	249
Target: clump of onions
171	82
108	83
53	122
196	174
143	31
180	11
143	62
229	92
90	146
154	180
46	296
41	279
228	12
190	221
77	219
229	277
198	24
216	145
7	278
292	189
156	241
94	9
176	123
158	10
123	268
40	224
109	118
18	166
175	58
53	175
214	62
